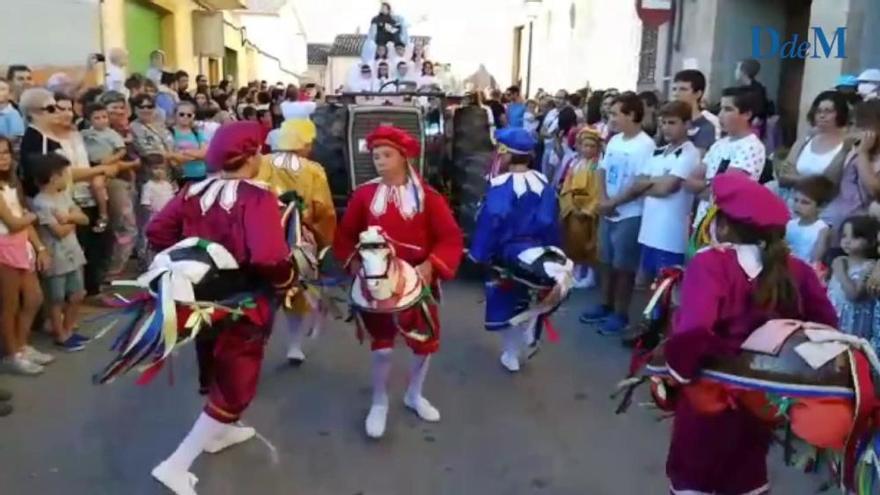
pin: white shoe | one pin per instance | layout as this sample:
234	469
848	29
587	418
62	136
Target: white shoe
510	362
376	421
295	356
232	436
423	408
37	357
178	481
20	365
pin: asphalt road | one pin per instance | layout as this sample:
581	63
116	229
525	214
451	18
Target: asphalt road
548	430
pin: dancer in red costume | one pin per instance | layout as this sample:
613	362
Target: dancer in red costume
730	289
230	210
418	222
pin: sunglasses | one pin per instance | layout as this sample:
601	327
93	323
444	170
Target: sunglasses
50	109
186	115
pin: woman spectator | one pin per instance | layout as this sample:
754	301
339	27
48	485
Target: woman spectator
38	107
154	144
94	238
202	100
427	78
189	145
123	222
386	28
824	150
860	181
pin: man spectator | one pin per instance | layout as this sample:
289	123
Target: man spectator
20	77
689	86
869	84
183	86
11	123
135	84
202	84
157	66
498	111
516	107
741	150
168	97
117	62
403	73
621	189
746	75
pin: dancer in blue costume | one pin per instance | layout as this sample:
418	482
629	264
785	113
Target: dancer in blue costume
519	213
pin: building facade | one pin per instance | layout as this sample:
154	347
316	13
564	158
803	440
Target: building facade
248	39
577	43
713	35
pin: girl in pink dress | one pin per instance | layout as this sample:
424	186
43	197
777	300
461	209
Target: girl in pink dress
21	252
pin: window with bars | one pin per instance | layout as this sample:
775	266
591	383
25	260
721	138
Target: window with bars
648	55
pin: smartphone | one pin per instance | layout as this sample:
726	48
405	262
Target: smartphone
99	57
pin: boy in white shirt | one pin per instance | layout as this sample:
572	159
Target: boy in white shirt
740	151
621	188
665	222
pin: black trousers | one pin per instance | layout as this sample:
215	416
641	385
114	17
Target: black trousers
97	248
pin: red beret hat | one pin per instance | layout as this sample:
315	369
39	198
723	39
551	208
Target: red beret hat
232	144
746	201
386	135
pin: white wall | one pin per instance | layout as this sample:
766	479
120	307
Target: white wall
48	32
277	35
602	49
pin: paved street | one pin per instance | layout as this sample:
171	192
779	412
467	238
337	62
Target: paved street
549	430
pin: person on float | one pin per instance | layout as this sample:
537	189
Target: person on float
230	209
520	211
290	170
744	279
419	224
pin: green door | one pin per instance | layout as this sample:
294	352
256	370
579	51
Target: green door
143	34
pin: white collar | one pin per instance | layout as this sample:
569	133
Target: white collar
406	197
748	256
216	187
530	180
287	161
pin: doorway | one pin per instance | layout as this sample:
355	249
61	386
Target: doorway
143	34
516	72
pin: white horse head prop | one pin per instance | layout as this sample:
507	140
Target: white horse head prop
384	282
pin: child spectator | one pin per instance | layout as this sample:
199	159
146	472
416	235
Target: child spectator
664	231
105	147
847	288
621	202
157	191
21	295
807	235
58	218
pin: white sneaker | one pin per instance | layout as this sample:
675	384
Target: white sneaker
37	357
376	421
510	362
178	481
423	408
233	435
295	356
20	365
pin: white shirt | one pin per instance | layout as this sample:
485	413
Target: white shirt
746	154
802	238
665	220
810	163
115	80
157	194
624	160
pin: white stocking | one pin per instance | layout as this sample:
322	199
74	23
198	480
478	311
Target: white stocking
418	373
381	370
512	340
203	431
